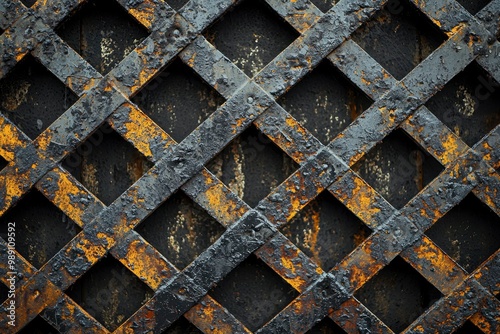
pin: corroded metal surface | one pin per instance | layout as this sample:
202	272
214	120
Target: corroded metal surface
109	229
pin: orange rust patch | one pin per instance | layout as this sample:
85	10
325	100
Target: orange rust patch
92	253
487	146
104	236
12	187
142	264
360	200
33	300
145	15
71	308
450	145
135	125
436	22
294	280
43	141
20	54
89	85
108	87
365	82
208	316
361	264
190	62
288	264
419	329
226	210
144	77
356	157
319	270
301	21
62	199
455	29
9	140
295	199
358	276
237	124
296	126
481	322
490	196
428	252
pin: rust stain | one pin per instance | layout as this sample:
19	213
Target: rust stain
209	316
191	60
238	124
66	190
10	139
226	209
434	257
145	15
313	219
360	200
451	151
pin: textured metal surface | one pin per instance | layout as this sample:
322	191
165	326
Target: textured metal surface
326	168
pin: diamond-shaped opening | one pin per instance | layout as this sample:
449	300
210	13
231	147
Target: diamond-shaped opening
4	292
106	164
326	231
398	168
110	292
469	104
252	165
182	326
28	3
468	232
468	328
251	35
324	5
253	293
474	6
32	97
398	295
180	230
103	33
177	4
38	326
326	326
399	37
3	163
178	100
325	102
41	228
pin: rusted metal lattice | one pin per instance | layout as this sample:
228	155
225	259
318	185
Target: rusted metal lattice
110	229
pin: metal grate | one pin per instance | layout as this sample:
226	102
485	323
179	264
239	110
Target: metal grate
255	237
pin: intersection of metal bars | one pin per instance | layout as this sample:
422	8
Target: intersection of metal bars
398	104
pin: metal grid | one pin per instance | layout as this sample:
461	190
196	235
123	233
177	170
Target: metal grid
110	229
